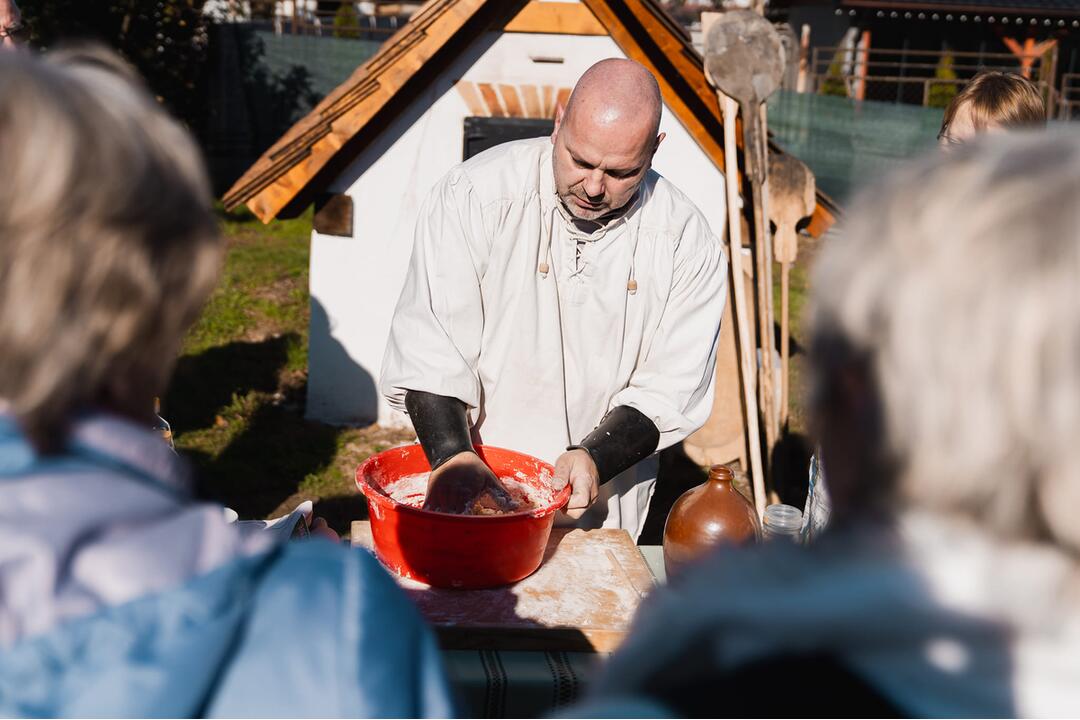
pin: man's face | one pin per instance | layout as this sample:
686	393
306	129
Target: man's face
599	166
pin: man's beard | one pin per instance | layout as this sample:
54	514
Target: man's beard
582	213
601	215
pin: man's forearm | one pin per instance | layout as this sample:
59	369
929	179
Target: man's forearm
622	439
441	424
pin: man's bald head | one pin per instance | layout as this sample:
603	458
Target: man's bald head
616	92
605	137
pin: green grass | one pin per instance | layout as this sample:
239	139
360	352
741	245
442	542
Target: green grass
237	398
798	295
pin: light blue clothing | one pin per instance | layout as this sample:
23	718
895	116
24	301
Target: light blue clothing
96	620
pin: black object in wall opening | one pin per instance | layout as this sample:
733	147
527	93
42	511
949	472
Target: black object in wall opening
482	133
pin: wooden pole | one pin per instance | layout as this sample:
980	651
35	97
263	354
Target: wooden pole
862	63
785	342
747	362
755	170
804	58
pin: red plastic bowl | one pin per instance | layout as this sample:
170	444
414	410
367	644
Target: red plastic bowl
456	551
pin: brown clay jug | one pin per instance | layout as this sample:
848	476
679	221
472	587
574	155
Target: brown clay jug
707	515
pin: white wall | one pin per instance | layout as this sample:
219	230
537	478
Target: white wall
355	282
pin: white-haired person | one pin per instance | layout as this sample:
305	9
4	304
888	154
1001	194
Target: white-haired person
120	594
946	396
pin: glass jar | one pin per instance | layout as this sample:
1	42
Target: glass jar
782	522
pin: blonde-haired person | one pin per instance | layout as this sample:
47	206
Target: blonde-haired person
947	404
992	101
120	595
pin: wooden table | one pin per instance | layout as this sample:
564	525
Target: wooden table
537	658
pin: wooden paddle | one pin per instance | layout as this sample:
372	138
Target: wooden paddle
791	198
746	347
744	57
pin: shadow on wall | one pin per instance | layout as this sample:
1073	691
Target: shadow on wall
340	391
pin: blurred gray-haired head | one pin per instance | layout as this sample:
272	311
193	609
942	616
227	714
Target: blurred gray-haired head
955	286
108	243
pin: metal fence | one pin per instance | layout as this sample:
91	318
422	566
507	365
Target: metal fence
372	20
930	78
1069	103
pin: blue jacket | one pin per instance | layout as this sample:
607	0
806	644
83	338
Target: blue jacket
302	629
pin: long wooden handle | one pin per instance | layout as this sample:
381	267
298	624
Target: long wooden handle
785	341
762	269
742	323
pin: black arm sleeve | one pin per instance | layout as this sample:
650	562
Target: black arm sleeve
624	437
441	424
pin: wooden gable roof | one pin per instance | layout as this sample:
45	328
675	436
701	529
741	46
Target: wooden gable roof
307	158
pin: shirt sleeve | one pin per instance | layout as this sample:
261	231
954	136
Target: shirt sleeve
673	386
435	336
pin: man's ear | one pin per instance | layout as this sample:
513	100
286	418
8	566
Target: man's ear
560	110
659	139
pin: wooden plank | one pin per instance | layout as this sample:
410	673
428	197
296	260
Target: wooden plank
583	598
511	101
333	215
491	99
540	639
531	95
548	96
284	170
468	92
561	98
555	18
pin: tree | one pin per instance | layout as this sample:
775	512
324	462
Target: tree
834	83
166	40
346	21
942	93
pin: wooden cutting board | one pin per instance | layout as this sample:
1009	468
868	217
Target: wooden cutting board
582	597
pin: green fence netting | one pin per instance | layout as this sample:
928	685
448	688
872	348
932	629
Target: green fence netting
847	143
329	61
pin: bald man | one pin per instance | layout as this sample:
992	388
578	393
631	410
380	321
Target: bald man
562	300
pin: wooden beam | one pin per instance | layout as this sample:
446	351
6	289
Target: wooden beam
511	101
334	215
556	18
533	108
471	95
286	169
491	99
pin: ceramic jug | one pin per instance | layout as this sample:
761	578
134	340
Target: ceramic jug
707	515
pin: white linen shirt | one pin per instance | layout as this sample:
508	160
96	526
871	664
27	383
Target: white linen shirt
540	359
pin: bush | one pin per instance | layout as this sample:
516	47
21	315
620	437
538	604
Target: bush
941	94
165	40
834	83
346	21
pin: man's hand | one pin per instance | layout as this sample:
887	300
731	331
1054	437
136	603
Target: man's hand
461	482
320	528
577	468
